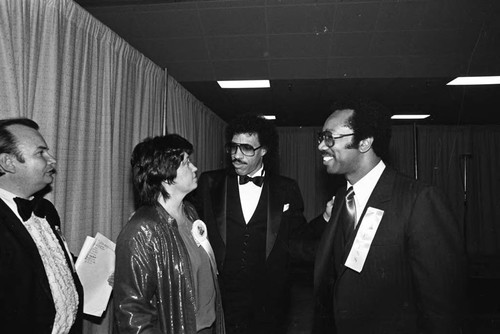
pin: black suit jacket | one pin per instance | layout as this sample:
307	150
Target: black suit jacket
284	221
413	277
26	304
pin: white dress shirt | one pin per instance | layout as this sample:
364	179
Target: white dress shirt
250	195
364	188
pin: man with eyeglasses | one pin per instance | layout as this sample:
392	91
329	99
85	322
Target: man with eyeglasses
391	258
252	215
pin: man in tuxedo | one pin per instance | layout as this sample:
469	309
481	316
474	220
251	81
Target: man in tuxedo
252	215
39	288
391	258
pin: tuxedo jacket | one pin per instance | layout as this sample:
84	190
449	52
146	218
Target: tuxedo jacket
284	221
413	278
26	304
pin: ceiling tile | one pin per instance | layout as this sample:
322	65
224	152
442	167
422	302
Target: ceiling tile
233	21
175	50
297	2
315	18
297	68
355	17
299	45
400	16
438	42
229	4
167	24
243	47
241	70
442	14
350	44
437	66
393	43
191	71
366	67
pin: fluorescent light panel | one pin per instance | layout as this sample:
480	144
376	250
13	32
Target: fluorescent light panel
410	116
465	81
269	117
244	84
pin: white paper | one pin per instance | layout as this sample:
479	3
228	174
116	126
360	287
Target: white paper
361	245
95	265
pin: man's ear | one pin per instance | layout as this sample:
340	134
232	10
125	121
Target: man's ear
365	145
7	163
264	151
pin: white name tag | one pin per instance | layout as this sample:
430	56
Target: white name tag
361	245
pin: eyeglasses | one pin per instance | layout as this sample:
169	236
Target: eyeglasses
330	138
246	149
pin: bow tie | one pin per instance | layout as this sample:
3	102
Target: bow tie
258	180
26	207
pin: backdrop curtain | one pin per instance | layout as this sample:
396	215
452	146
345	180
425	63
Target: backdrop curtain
441	151
94	97
191	119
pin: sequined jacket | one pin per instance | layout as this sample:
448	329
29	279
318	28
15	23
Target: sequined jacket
153	288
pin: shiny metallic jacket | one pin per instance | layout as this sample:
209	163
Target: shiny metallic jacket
153	288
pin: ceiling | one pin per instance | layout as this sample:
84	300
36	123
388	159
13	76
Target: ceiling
399	52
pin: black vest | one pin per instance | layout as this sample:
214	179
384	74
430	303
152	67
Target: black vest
245	243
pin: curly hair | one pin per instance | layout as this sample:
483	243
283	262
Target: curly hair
369	119
154	161
265	130
8	142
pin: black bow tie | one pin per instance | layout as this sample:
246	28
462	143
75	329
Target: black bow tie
26	207
258	180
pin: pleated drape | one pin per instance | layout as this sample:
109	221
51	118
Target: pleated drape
94	97
190	118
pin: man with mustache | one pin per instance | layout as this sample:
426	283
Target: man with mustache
39	289
391	258
252	215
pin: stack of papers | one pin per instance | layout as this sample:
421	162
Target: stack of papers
95	267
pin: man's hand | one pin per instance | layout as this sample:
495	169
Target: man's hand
328	210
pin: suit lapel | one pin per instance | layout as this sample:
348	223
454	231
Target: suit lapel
219	200
324	259
380	196
274	212
382	192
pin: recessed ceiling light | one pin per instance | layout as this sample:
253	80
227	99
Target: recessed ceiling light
410	116
244	84
465	81
269	117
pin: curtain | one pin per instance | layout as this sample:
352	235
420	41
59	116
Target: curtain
94	97
192	120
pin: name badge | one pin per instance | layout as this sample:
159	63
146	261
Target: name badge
361	245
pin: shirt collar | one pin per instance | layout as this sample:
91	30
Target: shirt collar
8	198
259	172
364	187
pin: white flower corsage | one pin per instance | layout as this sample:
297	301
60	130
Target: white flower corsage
199	232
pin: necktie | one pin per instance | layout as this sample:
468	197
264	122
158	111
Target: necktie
257	180
26	207
349	219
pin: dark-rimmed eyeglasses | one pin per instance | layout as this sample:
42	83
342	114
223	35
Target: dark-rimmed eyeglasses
246	149
329	138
